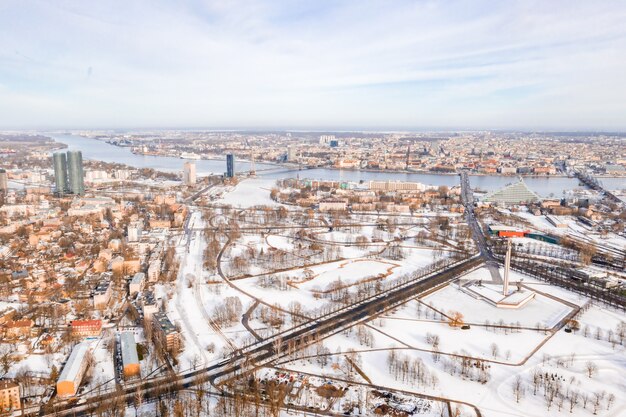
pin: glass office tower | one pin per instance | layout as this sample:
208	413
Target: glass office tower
60	173
230	165
75	172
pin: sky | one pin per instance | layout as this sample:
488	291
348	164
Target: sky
371	65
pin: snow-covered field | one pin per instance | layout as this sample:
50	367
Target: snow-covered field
250	192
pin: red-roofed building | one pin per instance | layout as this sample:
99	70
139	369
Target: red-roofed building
86	328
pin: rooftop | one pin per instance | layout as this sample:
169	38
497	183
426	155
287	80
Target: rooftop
73	365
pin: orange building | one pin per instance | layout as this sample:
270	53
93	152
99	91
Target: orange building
130	359
9	396
19	328
73	371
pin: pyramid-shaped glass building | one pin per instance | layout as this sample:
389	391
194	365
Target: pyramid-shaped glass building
517	193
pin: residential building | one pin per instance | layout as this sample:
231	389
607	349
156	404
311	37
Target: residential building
19	328
4	180
333	205
165	332
292	154
86	328
9	396
150	306
396	186
154	270
137	283
102	293
134	231
189	173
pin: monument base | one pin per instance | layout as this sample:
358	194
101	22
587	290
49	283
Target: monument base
492	293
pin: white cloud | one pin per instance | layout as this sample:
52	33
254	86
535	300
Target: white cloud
557	64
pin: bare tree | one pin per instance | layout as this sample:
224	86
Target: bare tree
591	368
495	350
518	388
573	400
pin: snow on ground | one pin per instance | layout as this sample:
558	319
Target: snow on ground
280	242
541	310
354	270
103	373
193	302
250	192
349	272
38	364
475	342
495	398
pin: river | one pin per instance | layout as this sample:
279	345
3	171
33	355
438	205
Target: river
102	151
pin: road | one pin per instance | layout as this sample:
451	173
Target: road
278	346
275	347
467	197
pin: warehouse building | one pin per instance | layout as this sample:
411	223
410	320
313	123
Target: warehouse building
73	371
130	359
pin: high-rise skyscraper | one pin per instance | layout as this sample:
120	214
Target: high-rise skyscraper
230	165
189	173
4	180
68	173
59	162
75	172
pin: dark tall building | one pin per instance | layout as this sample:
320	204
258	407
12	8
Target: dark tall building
75	172
230	165
68	173
60	173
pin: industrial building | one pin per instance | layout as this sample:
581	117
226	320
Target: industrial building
556	222
73	371
506	231
130	359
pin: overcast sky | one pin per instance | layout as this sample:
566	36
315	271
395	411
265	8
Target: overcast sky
313	64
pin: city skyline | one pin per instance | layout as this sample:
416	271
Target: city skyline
322	66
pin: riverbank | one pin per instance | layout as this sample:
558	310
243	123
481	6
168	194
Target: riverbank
545	186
